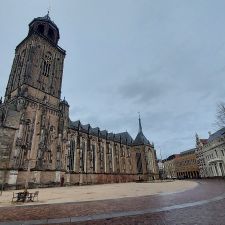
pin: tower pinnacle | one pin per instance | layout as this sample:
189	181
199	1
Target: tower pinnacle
140	127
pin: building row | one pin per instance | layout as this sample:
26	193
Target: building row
210	154
181	166
206	160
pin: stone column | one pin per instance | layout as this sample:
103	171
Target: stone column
218	169
77	164
214	170
75	156
105	157
85	156
34	146
98	146
113	160
96	157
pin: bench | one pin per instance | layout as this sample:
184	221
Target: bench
35	195
25	196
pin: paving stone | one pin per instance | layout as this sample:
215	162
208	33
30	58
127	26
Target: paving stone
189	207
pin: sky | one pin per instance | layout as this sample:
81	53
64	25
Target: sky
164	59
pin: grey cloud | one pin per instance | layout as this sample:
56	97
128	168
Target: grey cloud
143	90
164	59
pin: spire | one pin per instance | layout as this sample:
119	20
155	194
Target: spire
140	138
140	127
49	8
196	137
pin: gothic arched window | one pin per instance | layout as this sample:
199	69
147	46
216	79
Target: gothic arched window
46	64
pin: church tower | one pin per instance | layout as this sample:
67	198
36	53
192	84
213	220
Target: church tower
33	119
40	145
38	62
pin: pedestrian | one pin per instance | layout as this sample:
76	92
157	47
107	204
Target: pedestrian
62	181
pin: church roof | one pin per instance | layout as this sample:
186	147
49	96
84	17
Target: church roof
124	137
74	124
140	138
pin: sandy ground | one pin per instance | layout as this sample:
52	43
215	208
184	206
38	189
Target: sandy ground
99	192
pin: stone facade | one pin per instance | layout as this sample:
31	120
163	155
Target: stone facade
181	166
211	154
170	166
39	144
186	165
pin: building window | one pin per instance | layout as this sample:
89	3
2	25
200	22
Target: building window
216	153
41	29
139	162
46	66
71	154
51	34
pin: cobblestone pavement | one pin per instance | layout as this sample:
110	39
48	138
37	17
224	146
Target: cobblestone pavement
204	204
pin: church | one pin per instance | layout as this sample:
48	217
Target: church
40	145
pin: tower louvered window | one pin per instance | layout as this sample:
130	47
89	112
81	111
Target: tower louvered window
47	64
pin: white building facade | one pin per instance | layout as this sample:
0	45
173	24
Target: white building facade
211	154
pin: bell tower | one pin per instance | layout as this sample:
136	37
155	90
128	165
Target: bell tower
38	63
33	119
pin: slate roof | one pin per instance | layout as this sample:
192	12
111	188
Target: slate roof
217	134
74	124
45	18
85	127
95	131
171	157
124	137
140	138
111	136
187	152
103	134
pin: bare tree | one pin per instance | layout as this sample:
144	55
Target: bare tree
220	115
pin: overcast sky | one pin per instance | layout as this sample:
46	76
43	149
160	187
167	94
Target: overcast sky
165	59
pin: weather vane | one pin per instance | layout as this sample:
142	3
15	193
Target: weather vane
49	7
